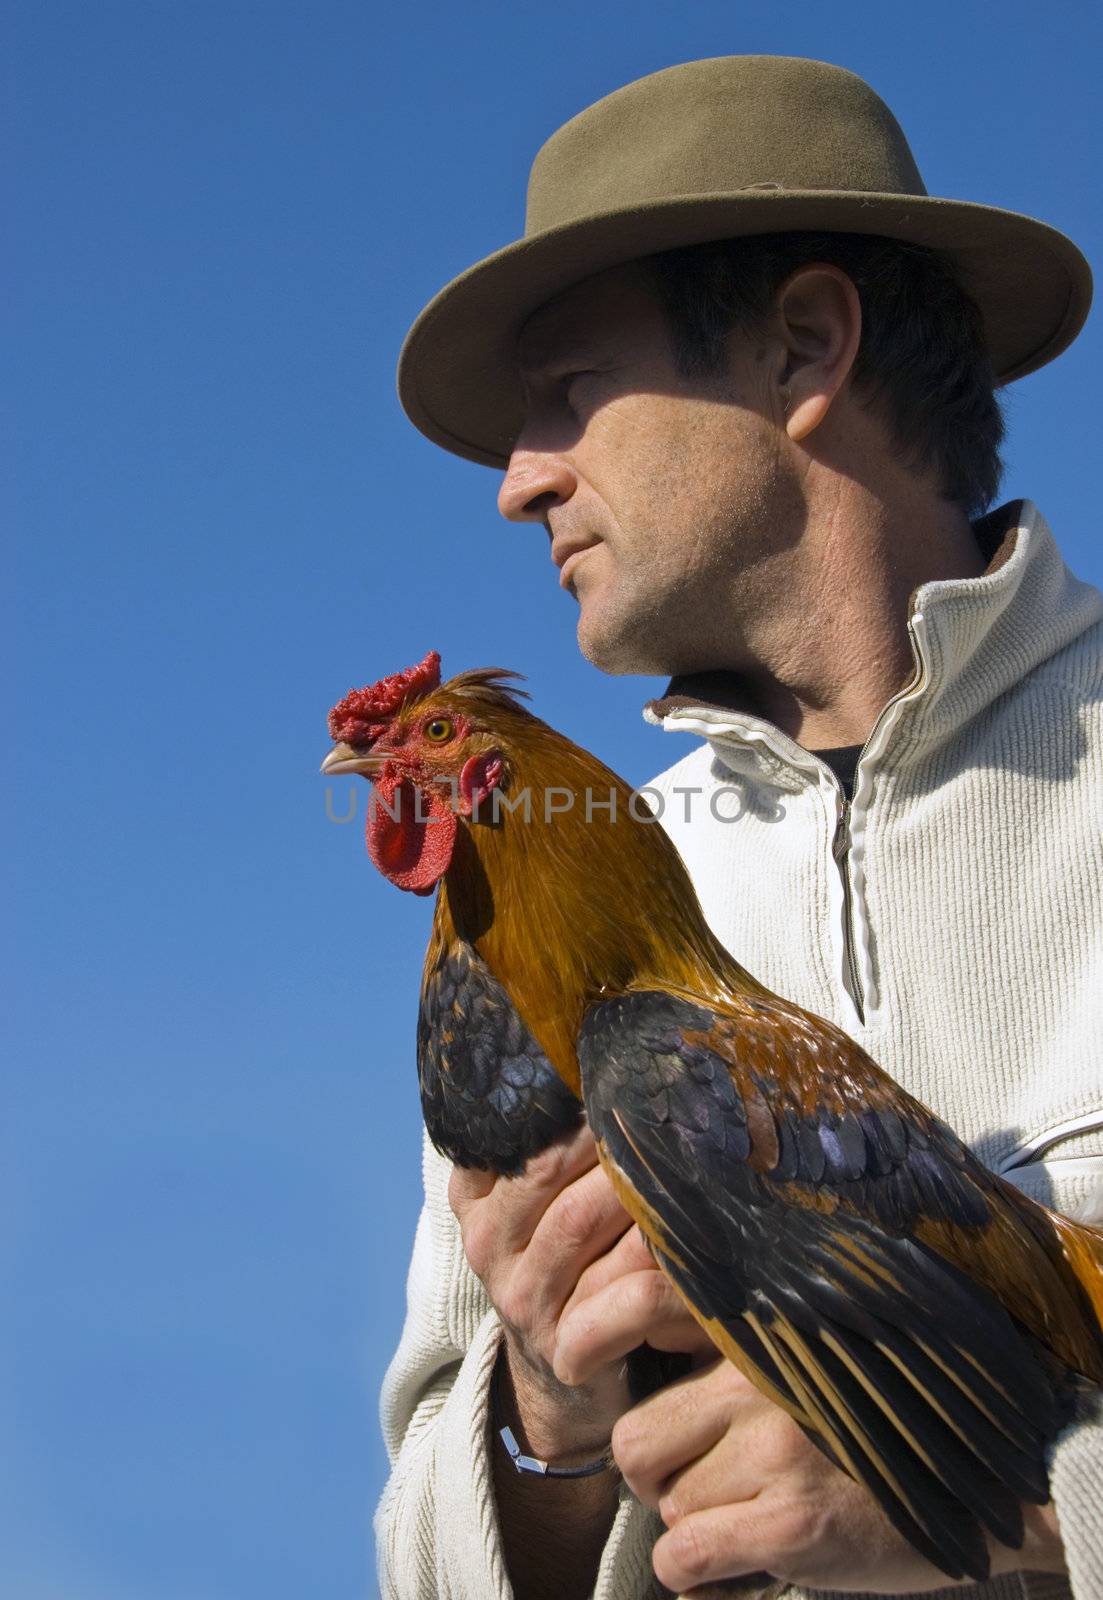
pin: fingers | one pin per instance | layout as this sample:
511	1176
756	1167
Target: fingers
631	1255
675	1449
832	1538
601	1325
570	1276
760	1449
752	1499
582	1221
520	1202
723	1542
742	1490
529	1239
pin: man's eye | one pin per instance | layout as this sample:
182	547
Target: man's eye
578	387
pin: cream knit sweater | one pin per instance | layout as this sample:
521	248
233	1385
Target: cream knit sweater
950	919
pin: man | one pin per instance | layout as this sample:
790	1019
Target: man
741	371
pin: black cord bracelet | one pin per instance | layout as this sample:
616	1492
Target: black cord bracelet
524	1463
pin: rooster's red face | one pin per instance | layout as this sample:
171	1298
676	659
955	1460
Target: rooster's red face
428	762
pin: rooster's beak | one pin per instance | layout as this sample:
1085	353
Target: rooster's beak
354	758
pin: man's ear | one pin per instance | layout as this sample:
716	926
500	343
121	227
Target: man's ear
819	318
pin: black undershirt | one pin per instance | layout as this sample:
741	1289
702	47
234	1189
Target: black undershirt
843	761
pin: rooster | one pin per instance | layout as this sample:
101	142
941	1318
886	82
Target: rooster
926	1324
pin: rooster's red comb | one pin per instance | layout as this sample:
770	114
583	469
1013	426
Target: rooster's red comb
365	713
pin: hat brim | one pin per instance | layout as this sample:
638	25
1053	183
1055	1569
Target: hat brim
457	377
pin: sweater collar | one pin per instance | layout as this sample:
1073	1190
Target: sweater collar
972	639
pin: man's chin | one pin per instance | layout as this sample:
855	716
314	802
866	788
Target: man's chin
619	653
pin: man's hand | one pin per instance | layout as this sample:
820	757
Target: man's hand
742	1489
531	1240
738	1484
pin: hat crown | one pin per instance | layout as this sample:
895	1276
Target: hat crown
721	149
719	126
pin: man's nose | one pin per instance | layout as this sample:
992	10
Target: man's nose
535	482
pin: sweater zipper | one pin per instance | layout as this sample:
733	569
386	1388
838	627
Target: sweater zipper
848	841
855	919
840	849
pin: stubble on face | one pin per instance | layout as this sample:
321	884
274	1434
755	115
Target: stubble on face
683	487
700	513
721	608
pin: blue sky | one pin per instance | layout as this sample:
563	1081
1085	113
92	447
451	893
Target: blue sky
225	217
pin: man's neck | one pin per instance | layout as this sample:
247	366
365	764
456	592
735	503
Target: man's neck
830	660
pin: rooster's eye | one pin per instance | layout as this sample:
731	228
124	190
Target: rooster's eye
438	730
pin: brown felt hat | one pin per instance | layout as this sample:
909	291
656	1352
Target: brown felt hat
732	146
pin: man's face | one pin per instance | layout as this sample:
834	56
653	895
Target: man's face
674	505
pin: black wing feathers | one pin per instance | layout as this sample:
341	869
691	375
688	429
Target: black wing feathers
490	1096
913	1376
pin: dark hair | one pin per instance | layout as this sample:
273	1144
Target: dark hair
922	353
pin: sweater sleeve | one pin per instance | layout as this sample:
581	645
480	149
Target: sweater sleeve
436	1527
1072	1183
